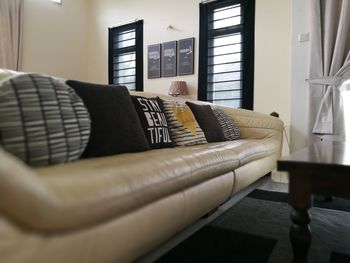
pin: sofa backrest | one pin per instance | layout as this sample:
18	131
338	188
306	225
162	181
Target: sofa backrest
252	125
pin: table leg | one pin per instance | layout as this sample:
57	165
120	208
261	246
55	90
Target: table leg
300	200
300	235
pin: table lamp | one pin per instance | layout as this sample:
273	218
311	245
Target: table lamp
178	88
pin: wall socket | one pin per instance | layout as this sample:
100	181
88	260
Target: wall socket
303	37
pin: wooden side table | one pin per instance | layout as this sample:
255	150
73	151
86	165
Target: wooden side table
323	169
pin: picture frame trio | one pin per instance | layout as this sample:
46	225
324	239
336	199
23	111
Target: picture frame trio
171	58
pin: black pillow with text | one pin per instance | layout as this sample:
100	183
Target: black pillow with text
153	120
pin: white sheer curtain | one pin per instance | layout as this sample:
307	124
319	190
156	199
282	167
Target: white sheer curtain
10	33
329	66
345	92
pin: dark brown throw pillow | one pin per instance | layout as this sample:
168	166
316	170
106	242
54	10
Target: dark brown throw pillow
153	120
208	122
115	126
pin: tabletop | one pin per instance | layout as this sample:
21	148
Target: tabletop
322	155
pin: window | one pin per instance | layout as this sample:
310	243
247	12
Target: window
126	56
226	59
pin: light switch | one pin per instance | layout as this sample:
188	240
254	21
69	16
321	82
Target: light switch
304	37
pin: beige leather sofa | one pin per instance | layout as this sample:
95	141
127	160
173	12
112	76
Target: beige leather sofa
117	208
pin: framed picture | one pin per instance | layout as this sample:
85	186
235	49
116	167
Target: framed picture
153	62
169	53
186	56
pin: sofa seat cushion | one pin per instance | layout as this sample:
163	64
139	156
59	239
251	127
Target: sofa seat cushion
89	191
249	150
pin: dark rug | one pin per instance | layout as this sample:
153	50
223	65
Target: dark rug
213	244
257	230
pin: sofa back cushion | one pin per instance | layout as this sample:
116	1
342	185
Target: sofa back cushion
42	121
228	125
6	73
184	128
208	122
153	120
115	127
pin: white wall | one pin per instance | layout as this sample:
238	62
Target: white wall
272	81
183	15
300	69
55	38
273	44
71	41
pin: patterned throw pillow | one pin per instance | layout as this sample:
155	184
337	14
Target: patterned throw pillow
184	129
153	120
42	121
229	127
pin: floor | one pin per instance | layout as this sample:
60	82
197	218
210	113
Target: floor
254	221
281	177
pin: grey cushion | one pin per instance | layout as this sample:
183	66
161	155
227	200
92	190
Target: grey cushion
42	121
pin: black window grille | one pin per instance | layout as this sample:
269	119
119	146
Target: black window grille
226	61
126	56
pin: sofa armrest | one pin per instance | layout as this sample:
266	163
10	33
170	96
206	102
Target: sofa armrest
255	125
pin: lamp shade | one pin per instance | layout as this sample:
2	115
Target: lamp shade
178	88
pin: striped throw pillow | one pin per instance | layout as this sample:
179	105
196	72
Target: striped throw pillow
183	126
229	127
42	121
